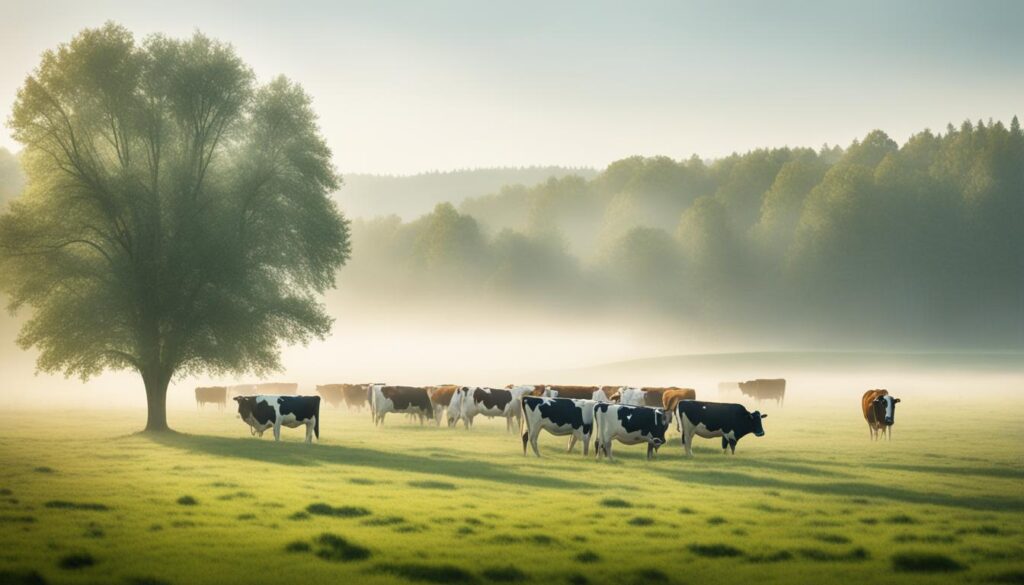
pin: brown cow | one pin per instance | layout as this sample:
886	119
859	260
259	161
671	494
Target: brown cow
332	394
653	394
762	389
576	392
356	395
441	397
879	411
670	399
212	395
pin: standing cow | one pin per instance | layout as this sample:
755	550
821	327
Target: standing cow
399	399
263	412
468	402
560	417
332	394
761	390
880	411
577	393
629	425
731	422
212	395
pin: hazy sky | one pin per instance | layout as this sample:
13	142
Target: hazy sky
411	86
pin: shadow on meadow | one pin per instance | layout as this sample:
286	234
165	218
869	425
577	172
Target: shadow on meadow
717	477
309	455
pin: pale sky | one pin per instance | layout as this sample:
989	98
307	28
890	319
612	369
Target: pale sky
404	87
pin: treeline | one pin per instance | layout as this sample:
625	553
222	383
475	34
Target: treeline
413	195
920	244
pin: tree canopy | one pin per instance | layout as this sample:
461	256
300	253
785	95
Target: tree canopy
176	218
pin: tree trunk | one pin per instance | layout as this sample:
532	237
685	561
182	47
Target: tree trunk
156	402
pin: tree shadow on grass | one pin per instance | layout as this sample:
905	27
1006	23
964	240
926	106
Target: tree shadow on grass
719	478
993	472
301	454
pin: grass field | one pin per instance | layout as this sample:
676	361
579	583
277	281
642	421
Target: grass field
82	500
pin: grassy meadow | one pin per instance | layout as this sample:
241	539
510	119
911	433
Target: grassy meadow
86	501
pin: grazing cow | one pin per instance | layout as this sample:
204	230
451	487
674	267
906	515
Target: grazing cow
264	411
332	394
560	417
761	390
400	399
880	412
212	395
731	422
629	396
285	388
629	425
577	393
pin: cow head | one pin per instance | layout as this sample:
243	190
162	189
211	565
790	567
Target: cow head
755	423
661	421
885	409
246	404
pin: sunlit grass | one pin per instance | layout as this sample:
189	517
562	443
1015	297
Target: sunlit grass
84	500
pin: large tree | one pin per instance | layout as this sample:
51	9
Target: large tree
176	218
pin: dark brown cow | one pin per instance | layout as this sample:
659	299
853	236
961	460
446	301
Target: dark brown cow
401	399
356	395
762	389
278	388
212	395
332	394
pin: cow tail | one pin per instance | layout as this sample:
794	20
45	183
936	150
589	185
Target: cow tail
316	425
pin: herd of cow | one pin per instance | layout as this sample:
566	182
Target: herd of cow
629	415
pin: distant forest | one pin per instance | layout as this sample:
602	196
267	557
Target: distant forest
411	196
874	245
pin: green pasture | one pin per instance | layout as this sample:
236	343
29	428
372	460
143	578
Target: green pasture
84	500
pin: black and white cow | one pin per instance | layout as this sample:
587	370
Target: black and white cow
629	425
401	399
560	417
731	422
266	411
468	402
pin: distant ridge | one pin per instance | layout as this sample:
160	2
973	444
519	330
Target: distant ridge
409	196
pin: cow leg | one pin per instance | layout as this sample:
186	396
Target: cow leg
607	446
597	448
725	444
688	443
572	443
526	439
309	432
533	441
586	445
650	451
732	445
277	430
